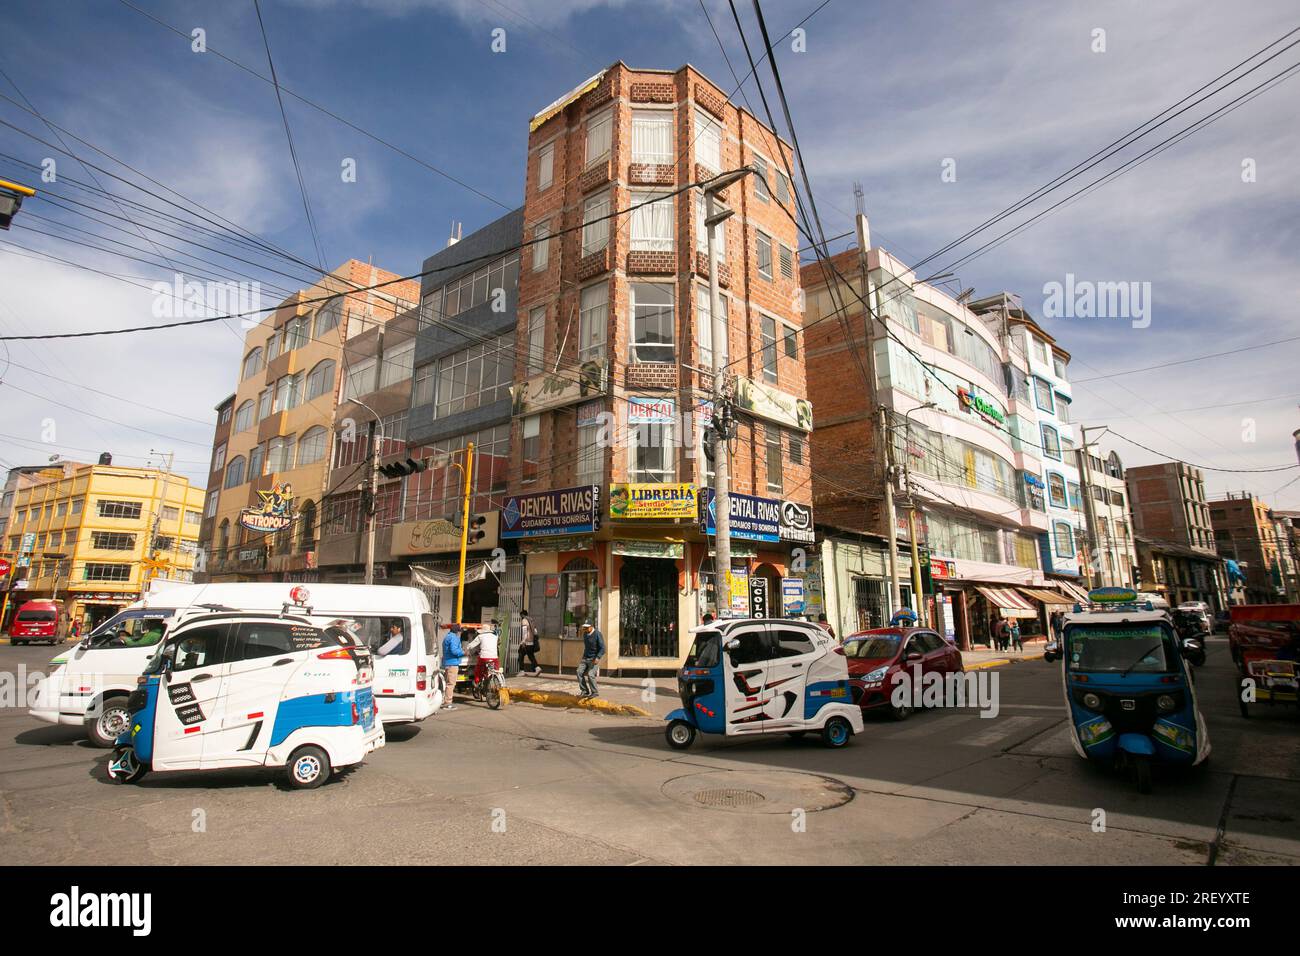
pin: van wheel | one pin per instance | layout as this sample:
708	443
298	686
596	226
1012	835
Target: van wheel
837	732
308	767
680	734
123	767
112	722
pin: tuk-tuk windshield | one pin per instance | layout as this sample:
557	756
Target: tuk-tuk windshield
872	647
706	651
1119	648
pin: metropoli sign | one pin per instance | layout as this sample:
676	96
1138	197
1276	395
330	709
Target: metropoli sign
986	410
275	513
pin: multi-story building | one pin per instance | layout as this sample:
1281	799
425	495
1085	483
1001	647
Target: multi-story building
1245	531
216	472
1168	507
281	428
1287	524
17	478
85	536
963	422
1112	556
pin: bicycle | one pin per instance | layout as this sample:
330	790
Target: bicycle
488	688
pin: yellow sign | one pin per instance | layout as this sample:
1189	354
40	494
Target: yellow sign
637	500
155	564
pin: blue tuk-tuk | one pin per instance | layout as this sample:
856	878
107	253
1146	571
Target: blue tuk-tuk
1128	688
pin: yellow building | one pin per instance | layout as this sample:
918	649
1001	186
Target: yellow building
84	538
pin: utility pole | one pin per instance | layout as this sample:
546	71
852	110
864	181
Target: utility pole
713	217
1089	507
152	549
922	617
464	526
374	490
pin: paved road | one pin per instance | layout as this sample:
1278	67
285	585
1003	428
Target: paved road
537	785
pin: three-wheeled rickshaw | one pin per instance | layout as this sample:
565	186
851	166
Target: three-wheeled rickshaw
1129	691
764	676
1265	644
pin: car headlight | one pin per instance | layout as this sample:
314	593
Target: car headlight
1166	703
1092	701
877	675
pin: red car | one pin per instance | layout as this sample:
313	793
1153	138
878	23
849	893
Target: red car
883	656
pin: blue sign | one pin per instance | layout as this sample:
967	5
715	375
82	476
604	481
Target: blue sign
752	519
567	511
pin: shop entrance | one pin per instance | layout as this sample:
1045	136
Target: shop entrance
647	608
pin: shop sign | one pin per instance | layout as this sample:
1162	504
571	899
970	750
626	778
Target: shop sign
552	585
24	561
655	502
774	405
752	518
941	569
758	606
275	513
567	511
4	567
29	541
439	535
554	543
589	413
985	409
651	411
792	596
738	550
796	522
651	549
550	390
739	589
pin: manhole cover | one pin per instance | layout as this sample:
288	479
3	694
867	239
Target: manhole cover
728	798
775	791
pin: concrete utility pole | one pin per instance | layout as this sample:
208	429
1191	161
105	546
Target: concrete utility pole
374	491
152	549
713	217
1089	506
921	617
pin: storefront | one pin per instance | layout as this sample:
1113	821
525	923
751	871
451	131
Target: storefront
93	608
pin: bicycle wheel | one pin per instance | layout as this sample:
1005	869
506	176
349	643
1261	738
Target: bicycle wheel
492	691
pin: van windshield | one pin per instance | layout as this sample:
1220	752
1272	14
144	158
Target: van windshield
706	651
130	630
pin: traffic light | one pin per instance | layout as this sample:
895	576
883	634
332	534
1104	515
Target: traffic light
476	532
399	469
11	200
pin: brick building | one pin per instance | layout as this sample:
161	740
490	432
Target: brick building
1246	531
1167	502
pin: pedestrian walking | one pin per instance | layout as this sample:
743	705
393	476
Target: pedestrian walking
1001	634
1015	636
528	643
593	649
451	655
821	620
1058	625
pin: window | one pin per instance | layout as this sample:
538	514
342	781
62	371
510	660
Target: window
650	452
652	222
252	363
163	543
592	322
701	234
219	457
1058	364
109	508
760	178
532	447
193	517
244	417
791	338
541	246
595	227
772	448
472	289
77	504
225	415
422	388
280	453
1076	497
272	346
476	376
102	571
199	647
1043	395
170	514
704	326
1039	348
1051	442
796	450
235	473
257	461
708	142
1063	537
598	136
320	380
328	318
536	359
545	166
397	364
652	137
591	462
782	188
763	243
311	446
211	510
296	333
652	322
787	262
1062	408
61	509
264	403
1056	491
255	641
768	336
360	380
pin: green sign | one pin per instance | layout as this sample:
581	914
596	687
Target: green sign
984	409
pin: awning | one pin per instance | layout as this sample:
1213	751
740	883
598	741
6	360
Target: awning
1047	597
1008	602
428	578
1073	591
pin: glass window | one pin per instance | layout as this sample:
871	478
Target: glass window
592	322
791	338
397	364
476	376
772	443
652	322
652	222
296	333
595	228
211	510
1043	395
704	326
219	457
108	508
360	379
764	255
1056	491
264	403
198	647
235	472
536	359
1051	442
652	137
327	318
760	178
701	235
252	363
598	136
320	380
1076	496
591	461
77	504
311	447
280	453
541	246
650	452
112	541
708	142
1063	536
244	417
545	166
768	334
532	447
257	461
422	389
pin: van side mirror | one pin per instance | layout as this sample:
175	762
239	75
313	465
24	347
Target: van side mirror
732	644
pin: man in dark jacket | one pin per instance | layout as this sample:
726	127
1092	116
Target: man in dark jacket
593	649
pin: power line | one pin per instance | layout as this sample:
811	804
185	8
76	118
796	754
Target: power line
1230	471
1197	358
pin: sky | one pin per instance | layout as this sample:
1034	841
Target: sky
945	113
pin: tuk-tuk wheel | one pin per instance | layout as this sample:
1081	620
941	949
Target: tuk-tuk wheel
123	767
308	768
1142	773
837	732
680	734
1245	707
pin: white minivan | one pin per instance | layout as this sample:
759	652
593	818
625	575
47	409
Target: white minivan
90	682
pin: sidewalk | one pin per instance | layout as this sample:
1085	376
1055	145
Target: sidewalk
984	657
619	696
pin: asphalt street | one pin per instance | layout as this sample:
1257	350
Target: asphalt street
531	784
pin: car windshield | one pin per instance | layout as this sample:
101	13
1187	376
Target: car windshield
130	631
1119	648
706	651
870	648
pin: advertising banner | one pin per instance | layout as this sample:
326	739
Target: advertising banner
752	518
774	405
567	511
796	522
550	390
632	501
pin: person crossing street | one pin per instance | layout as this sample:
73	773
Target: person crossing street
593	649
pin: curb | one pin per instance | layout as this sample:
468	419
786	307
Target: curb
557	699
999	662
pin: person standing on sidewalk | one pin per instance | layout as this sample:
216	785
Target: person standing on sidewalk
451	655
593	649
528	643
1015	635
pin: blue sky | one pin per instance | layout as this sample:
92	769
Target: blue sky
1011	93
